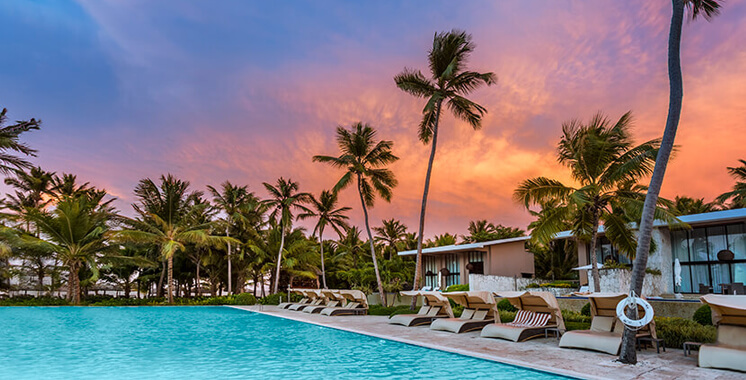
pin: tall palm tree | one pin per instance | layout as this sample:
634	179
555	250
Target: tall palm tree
325	209
738	194
688	206
75	231
392	232
67	185
166	219
708	9
9	142
33	188
365	160
606	165
284	200
449	82
231	199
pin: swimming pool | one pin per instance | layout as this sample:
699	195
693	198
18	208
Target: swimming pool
212	343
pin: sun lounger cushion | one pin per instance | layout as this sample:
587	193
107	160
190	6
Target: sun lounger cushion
433	311
480	315
424	310
521	318
352	305
539	320
602	323
467	314
607	342
725	357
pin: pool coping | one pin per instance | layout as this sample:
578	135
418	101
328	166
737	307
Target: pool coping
478	355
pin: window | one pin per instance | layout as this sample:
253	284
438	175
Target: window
454	274
607	252
431	271
476	262
697	251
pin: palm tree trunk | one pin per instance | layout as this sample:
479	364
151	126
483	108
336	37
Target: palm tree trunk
279	260
628	354
372	247
197	286
321	243
421	233
76	288
159	291
70	282
594	259
230	271
171	279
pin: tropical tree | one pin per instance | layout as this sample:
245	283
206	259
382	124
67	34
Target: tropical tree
32	190
10	144
708	9
688	206
482	230
75	231
231	199
325	209
737	196
442	240
166	213
365	160
606	166
392	232
449	82
67	185
284	200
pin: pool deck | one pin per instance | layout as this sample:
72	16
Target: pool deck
549	357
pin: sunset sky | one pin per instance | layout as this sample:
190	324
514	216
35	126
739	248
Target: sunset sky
249	91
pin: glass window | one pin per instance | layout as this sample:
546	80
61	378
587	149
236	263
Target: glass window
738	272
680	245
699	276
698	245
720	275
716	241
686	281
737	241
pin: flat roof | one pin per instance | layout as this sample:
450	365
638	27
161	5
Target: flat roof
464	247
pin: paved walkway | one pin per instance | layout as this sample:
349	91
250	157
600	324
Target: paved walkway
578	363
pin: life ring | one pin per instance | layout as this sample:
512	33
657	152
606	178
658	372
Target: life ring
634	301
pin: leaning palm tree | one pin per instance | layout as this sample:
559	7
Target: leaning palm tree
9	143
737	196
365	160
449	82
231	199
708	9
392	232
325	209
284	200
32	190
606	165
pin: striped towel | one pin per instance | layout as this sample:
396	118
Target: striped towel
522	318
539	320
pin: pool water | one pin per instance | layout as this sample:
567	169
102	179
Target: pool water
212	343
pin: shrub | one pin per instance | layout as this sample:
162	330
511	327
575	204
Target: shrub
506	316
505	305
653	271
676	331
532	285
273	299
389	310
703	315
586	310
458	288
33	301
244	299
573	316
570	325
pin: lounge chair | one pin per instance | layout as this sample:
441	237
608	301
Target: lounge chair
356	303
479	310
435	306
729	351
315	299
605	334
308	296
537	311
331	298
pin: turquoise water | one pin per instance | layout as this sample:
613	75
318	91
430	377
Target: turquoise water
211	343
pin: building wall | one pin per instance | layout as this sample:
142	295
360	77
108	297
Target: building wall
509	259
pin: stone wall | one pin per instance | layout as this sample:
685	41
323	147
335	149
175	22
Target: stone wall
618	280
503	283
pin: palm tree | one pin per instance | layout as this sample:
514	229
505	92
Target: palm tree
76	232
392	232
232	199
166	214
325	209
738	194
284	199
9	142
606	165
450	82
708	9
442	240
688	206
482	230
67	185
365	160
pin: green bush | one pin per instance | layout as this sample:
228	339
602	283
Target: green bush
506	316
458	288
244	299
389	310
676	331
574	316
586	310
274	299
703	315
505	305
570	325
33	301
554	284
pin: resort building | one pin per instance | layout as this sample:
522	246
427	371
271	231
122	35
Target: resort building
452	264
711	253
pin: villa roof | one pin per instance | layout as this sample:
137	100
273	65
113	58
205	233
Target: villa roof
464	247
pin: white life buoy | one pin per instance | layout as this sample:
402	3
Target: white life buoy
633	301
